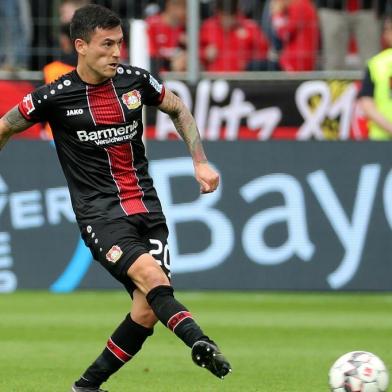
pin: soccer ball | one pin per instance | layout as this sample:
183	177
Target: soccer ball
358	371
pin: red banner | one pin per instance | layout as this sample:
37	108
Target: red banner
247	110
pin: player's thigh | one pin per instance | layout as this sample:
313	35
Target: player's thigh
147	274
115	245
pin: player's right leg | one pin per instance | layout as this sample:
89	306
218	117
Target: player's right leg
121	347
110	244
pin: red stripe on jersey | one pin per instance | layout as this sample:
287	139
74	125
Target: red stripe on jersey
177	319
105	108
118	351
125	177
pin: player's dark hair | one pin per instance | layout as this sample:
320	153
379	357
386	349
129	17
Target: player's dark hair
90	17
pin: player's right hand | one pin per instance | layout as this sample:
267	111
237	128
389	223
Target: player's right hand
207	177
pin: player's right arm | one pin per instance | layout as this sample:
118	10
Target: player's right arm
185	125
12	122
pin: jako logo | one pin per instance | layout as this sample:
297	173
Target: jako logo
74	112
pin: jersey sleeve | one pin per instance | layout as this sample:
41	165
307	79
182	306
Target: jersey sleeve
367	87
34	107
153	90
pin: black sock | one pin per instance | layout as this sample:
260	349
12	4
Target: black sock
125	342
174	315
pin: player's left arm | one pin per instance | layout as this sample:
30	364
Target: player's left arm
186	126
12	122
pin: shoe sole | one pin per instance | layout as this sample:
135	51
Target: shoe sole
206	355
88	390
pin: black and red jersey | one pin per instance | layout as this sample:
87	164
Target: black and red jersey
97	130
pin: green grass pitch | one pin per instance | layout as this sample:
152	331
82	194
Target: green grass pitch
276	342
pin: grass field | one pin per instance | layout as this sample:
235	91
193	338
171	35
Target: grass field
277	342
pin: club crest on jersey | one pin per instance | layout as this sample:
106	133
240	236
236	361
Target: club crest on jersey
28	103
114	254
132	99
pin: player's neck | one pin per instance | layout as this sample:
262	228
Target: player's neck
88	76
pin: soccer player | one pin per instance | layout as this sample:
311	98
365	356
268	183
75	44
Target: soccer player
95	113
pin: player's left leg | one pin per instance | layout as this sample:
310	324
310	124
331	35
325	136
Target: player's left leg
151	280
121	347
151	273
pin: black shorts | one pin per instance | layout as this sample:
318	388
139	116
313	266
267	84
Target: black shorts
118	243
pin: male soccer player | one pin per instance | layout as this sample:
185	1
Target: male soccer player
96	116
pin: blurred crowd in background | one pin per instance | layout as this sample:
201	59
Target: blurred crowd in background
234	36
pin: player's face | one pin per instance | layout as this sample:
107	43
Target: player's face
100	57
388	33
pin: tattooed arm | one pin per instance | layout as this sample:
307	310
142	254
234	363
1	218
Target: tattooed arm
186	126
12	122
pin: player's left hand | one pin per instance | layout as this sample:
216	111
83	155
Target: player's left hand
207	177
